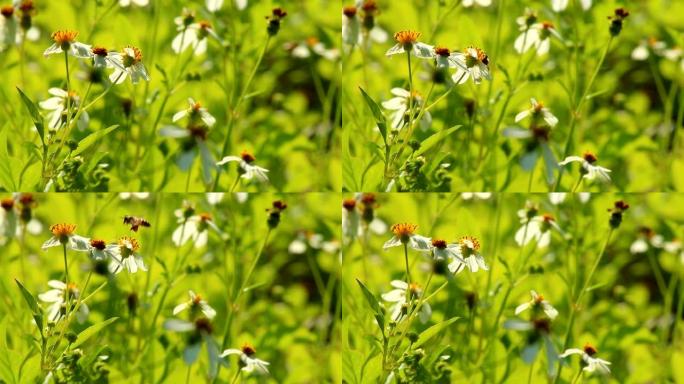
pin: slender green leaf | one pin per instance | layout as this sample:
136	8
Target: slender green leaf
377	114
91	331
35	115
91	139
370	298
433	331
30	299
435	139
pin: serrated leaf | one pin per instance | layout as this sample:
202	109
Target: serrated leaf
35	115
91	331
435	138
433	331
91	139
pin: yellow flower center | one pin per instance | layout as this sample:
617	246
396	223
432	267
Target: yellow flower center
129	60
479	57
64	37
404	229
62	229
406	37
128	246
469	245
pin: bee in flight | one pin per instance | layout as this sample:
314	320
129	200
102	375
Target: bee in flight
136	222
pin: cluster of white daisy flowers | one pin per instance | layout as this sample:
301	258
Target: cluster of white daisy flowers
471	63
123	253
127	63
460	255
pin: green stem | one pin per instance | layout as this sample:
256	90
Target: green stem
575	305
408	271
66	281
236	108
578	110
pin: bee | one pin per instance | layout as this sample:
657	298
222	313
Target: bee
136	222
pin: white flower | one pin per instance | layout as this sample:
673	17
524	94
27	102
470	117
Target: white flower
407	41
351	219
249	363
444	58
561	5
537	35
476	195
195	111
57	299
537	142
57	105
351	26
537	228
214	5
139	3
476	64
240	4
247	171
589	170
124	254
98	250
102	58
134	195
400	303
647	238
591	363
467	255
192	35
214	198
65	41
538	302
63	234
312	45
481	3
196	303
8	27
193	227
131	62
8	220
399	106
404	233
537	111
